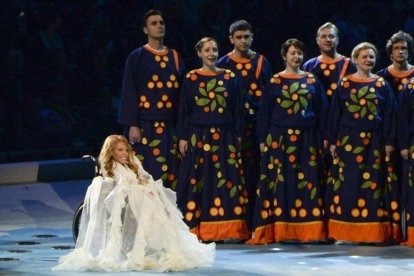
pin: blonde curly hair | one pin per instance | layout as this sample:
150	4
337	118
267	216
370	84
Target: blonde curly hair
106	158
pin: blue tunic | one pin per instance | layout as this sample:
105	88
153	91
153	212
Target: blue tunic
395	79
406	141
329	72
254	74
150	89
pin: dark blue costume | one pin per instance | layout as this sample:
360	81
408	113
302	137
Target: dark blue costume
211	192
254	74
150	91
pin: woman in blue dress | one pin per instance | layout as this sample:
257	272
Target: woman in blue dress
211	191
361	134
289	202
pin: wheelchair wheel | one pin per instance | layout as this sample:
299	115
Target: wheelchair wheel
76	221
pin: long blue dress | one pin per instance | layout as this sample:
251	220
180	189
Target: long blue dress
358	187
211	191
289	201
406	141
397	82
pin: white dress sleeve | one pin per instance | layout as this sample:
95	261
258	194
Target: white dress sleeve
141	171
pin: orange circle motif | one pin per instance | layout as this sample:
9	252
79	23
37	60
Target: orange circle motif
238	210
217	202
191	205
213	211
188	216
355	212
302	212
221	211
316	212
278	211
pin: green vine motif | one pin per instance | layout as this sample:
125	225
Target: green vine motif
312	162
294	98
213	96
363	103
273	164
337	182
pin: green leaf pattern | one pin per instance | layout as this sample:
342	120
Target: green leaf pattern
213	95
294	97
363	103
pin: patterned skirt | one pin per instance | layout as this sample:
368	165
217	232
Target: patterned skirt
158	151
407	193
289	203
358	202
211	192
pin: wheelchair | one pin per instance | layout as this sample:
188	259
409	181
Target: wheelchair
78	213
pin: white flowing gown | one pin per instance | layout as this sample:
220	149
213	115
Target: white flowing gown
134	224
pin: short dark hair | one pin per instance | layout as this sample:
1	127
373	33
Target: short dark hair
148	14
240	25
401	36
200	43
292	42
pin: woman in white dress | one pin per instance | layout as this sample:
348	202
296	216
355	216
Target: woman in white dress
131	222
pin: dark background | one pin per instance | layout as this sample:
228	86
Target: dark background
62	61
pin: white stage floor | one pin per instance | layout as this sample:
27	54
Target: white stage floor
35	230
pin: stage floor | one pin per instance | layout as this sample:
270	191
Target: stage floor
35	230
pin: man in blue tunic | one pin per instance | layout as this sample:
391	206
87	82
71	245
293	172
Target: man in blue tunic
254	71
151	82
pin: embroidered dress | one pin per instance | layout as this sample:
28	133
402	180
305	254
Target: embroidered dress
152	81
289	202
360	180
397	82
211	190
406	141
254	74
329	72
131	223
